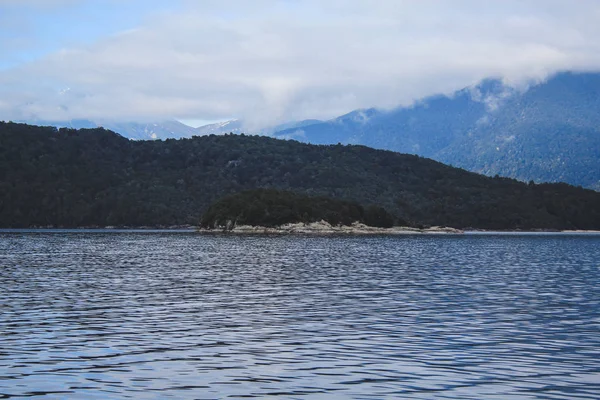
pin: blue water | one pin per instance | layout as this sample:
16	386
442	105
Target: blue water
150	315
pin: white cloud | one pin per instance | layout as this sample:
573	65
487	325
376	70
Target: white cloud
271	60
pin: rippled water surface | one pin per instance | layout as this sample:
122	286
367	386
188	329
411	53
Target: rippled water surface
186	316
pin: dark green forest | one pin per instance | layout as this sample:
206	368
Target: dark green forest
94	177
271	207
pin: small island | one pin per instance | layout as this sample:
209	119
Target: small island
278	211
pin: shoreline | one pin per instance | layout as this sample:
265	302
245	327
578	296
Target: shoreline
324	228
316	228
109	228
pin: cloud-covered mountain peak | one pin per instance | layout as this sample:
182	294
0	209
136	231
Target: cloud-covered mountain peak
545	131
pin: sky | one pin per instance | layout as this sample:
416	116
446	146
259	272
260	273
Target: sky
270	61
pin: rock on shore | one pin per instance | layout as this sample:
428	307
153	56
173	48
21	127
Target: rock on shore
323	227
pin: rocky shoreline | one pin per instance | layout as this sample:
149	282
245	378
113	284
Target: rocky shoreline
324	228
300	228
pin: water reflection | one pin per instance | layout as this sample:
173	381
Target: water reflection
138	315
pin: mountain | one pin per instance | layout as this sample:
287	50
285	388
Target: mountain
239	126
220	128
73	124
288	125
168	129
548	133
95	177
424	128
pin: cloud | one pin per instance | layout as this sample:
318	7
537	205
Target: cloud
267	61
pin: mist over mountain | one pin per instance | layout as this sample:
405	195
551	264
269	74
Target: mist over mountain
548	133
240	126
171	129
425	128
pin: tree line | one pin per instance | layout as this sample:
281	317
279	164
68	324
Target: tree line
95	177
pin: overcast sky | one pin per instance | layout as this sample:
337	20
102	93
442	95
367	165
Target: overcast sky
274	60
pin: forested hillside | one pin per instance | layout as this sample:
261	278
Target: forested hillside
548	133
95	177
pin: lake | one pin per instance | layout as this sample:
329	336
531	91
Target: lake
145	315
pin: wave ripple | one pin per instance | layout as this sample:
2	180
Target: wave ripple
177	315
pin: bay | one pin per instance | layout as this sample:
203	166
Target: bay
144	315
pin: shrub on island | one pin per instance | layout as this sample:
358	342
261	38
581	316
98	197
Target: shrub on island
271	208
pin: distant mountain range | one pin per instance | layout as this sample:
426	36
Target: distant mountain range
547	133
232	126
170	129
237	126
